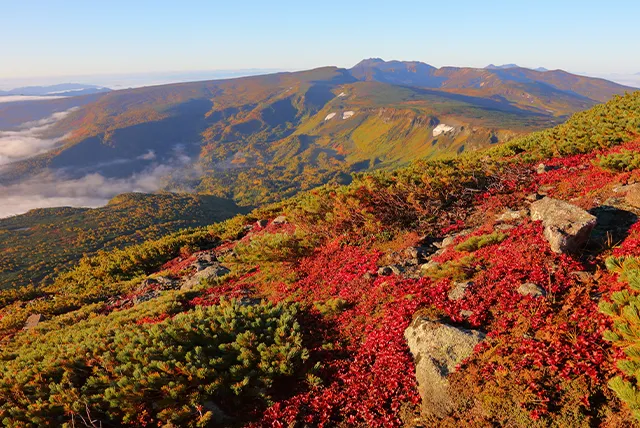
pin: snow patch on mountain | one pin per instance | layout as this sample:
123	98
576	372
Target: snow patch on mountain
442	129
347	114
330	116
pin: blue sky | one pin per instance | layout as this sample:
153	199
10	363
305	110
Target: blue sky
60	38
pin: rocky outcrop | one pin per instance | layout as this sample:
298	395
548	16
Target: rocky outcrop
566	226
437	349
417	254
213	271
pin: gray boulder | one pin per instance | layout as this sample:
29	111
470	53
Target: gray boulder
437	349
213	271
531	289
418	254
566	226
389	270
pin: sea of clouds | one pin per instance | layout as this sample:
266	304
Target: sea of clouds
53	189
28	141
58	188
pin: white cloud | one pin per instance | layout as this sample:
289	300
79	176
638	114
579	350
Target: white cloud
27	140
56	188
51	189
15	98
150	155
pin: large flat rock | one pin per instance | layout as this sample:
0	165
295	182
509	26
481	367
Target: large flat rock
566	226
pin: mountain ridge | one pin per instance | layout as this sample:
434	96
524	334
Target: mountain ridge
261	138
60	89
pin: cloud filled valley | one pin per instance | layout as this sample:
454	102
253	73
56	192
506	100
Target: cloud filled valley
82	187
27	140
51	189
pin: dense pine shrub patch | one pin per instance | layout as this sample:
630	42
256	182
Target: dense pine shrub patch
190	369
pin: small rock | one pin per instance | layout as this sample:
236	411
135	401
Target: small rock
207	257
397	270
200	265
429	265
149	295
389	270
542	168
447	242
531	289
544	190
32	321
166	283
385	271
532	197
511	215
437	349
369	276
248	301
417	254
466	313
262	223
280	220
632	196
582	276
458	290
504	227
566	226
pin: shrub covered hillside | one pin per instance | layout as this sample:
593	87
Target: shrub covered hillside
36	245
493	289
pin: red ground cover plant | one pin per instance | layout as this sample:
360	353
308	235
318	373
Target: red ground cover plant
543	355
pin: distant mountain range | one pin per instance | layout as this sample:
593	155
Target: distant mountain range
261	138
506	66
64	89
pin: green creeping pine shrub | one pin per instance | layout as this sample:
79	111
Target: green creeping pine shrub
271	247
619	162
624	309
332	306
476	242
180	371
456	270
